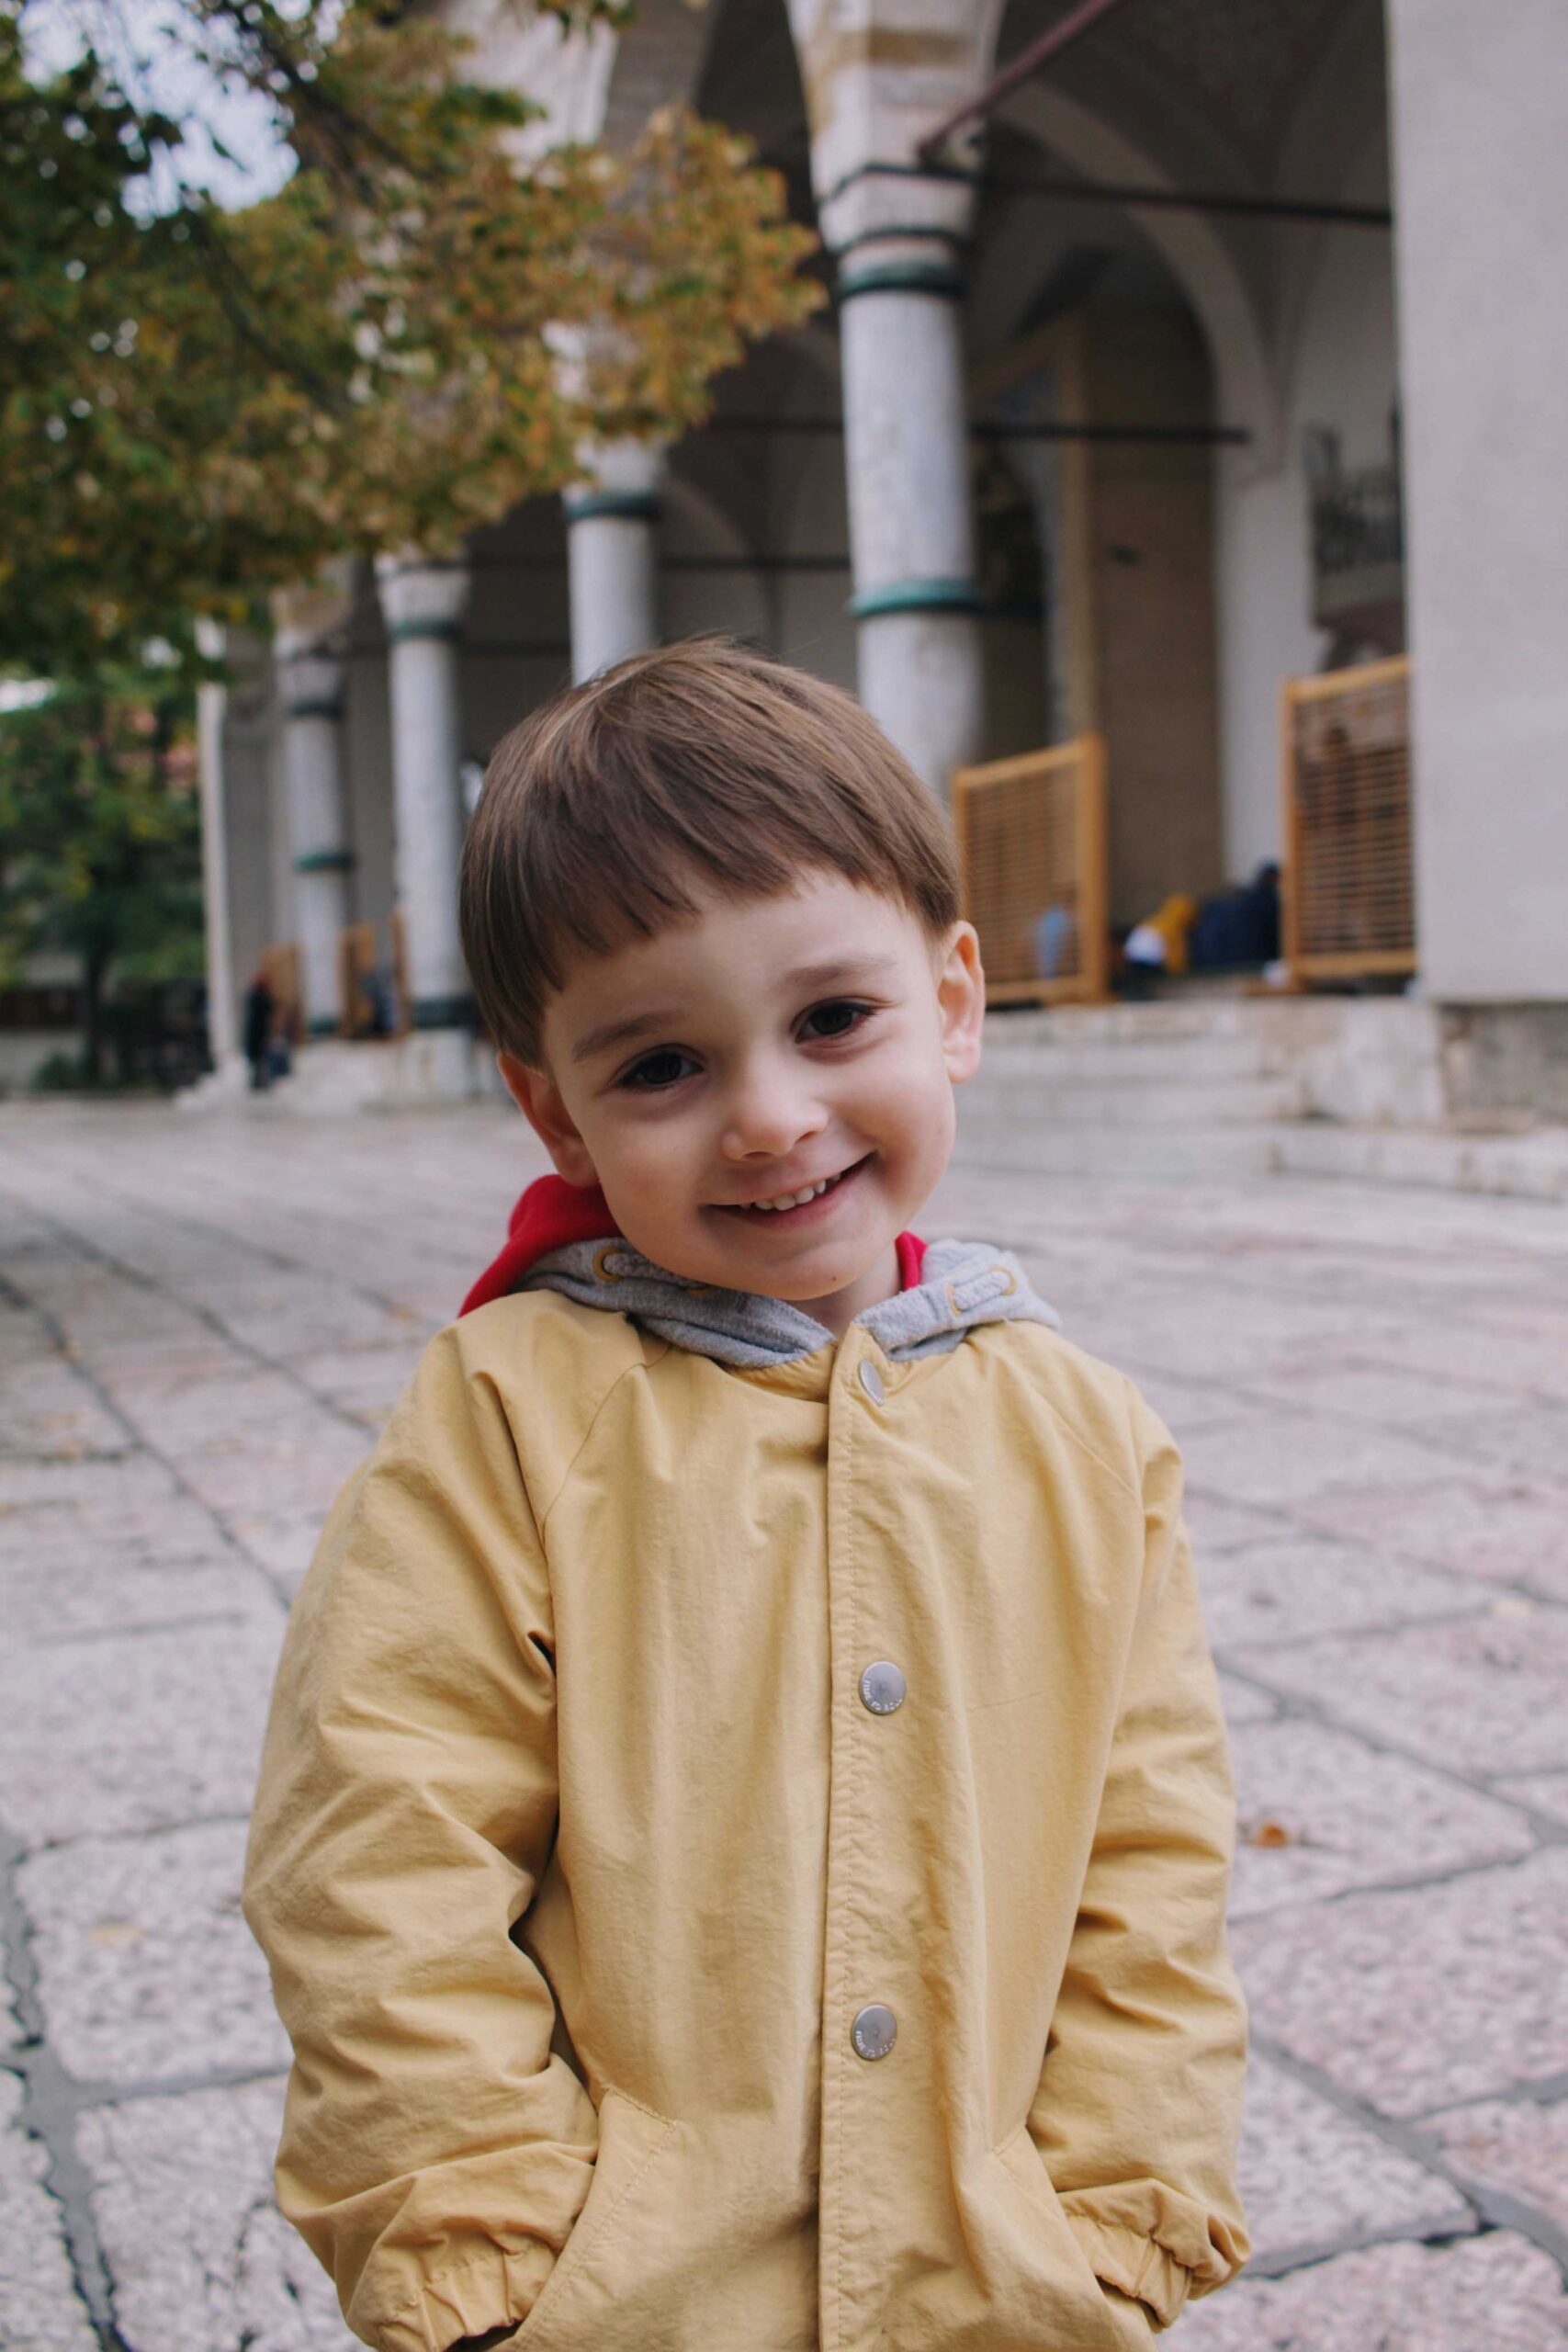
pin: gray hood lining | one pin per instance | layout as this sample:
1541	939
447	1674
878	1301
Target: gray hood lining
963	1284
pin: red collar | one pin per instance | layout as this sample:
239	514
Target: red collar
552	1214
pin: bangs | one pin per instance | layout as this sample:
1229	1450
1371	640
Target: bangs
703	770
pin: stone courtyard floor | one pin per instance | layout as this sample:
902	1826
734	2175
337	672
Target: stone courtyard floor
202	1322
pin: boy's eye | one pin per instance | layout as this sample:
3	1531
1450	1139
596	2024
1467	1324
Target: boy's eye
834	1020
665	1066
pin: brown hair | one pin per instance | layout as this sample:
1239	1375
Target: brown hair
704	763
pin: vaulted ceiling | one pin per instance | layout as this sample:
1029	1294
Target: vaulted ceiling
1239	66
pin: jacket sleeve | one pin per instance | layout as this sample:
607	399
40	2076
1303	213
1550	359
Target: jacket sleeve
1139	2105
434	2153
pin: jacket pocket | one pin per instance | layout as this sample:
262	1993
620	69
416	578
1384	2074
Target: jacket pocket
632	2139
1125	2324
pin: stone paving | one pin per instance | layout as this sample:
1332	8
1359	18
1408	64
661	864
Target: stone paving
202	1322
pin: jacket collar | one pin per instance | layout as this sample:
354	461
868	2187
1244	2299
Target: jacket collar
564	1239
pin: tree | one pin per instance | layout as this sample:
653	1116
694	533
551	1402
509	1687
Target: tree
99	849
196	405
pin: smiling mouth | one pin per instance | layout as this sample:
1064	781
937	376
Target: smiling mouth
796	1207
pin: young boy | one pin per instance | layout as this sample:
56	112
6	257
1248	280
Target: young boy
743	1833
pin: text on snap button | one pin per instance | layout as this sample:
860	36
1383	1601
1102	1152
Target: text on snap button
874	2032
882	1687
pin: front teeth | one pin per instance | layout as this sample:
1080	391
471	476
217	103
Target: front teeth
797	1200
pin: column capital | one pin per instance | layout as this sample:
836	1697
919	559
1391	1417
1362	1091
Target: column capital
309	676
880	76
315	612
422	595
881	213
620	481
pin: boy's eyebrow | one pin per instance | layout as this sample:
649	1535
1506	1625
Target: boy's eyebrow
839	970
835	973
620	1032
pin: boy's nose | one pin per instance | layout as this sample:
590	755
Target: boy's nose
763	1122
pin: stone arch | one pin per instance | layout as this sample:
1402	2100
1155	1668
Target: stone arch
658	62
1337	145
567	74
698	523
1191	248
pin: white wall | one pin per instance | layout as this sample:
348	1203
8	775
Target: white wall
1341	372
1481	146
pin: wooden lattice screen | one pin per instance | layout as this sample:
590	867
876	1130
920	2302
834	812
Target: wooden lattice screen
1347	891
281	967
402	999
356	966
1032	857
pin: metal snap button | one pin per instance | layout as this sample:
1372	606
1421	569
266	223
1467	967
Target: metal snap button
874	2032
871	1380
882	1687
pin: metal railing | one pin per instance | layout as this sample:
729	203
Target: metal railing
1357	543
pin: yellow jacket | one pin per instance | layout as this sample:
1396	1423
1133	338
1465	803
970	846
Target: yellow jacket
596	1872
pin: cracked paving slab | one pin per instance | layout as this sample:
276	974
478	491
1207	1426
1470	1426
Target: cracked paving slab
177	1715
1496	2294
1289	1458
1319	1814
1313	2178
202	2260
1287	1588
40	2308
1547	1793
146	1967
1512	2144
46	1598
1480	1695
1418	1999
1509	1531
200	1321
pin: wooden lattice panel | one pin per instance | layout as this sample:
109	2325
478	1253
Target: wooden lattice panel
402	996
1349	895
356	968
1032	854
280	966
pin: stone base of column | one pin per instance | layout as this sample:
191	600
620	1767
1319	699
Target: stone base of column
223	1086
334	1077
438	1065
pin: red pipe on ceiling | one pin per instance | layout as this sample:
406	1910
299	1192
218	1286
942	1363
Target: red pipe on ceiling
1040	53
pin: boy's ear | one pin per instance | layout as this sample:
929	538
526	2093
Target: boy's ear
538	1098
960	999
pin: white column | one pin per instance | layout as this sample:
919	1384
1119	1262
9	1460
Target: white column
1481	193
613	556
423	600
310	682
211	703
898	240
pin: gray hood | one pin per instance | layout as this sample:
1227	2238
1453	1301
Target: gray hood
964	1283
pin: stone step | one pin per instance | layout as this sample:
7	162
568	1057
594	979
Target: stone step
1037	1099
1162	1059
1123	1024
1524	1168
1042	1147
1366	1061
1531	1167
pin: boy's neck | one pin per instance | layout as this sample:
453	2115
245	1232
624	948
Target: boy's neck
839	1309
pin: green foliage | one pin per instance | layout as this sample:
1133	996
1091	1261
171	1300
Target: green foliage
100	836
196	406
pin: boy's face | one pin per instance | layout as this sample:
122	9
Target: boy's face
764	1049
